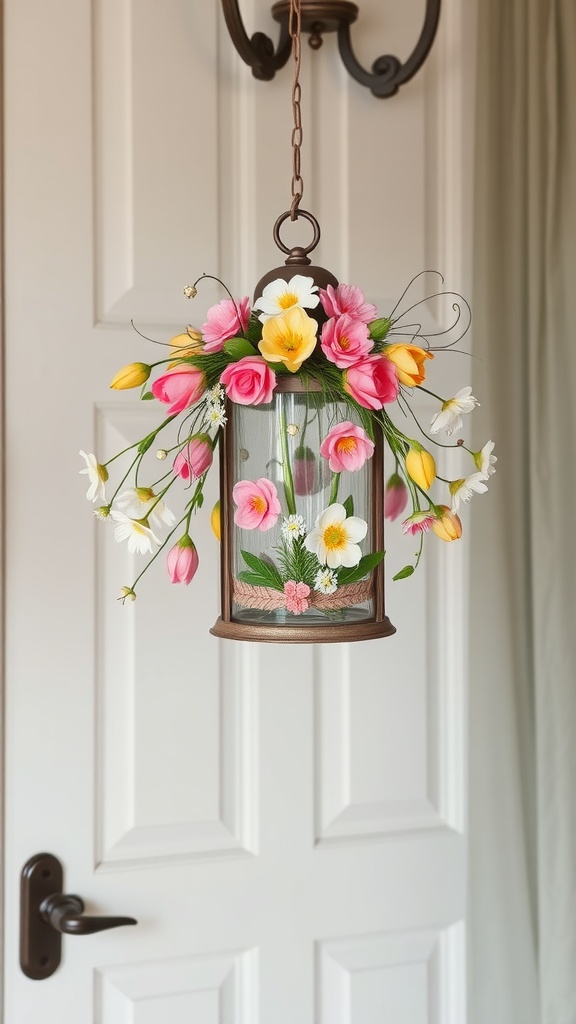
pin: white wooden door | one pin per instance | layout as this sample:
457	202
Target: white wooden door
287	825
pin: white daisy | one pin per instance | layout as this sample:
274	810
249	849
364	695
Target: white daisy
142	503
326	581
137	533
293	527
334	539
462	490
485	460
216	394
450	416
280	295
97	477
215	416
103	512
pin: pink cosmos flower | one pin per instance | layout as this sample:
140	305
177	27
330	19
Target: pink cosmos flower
182	386
347	446
347	298
195	458
345	340
419	522
373	382
395	497
258	504
296	594
223	322
250	381
182	561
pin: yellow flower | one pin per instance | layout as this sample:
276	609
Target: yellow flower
215	520
184	345
131	376
409	361
421	467
449	526
289	338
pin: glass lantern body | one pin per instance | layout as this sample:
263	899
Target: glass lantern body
279	443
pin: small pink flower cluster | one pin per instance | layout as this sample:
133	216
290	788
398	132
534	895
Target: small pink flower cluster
371	380
296	595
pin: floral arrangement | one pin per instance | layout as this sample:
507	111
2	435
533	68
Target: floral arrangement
347	355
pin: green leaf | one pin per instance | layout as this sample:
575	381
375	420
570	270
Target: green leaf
349	505
146	397
404	573
146	443
259	581
237	348
254	329
268	574
366	564
379	328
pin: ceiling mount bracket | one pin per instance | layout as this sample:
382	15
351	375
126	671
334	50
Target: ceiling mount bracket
388	73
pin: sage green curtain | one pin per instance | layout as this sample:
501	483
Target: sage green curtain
522	935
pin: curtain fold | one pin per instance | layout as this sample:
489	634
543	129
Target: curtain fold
523	639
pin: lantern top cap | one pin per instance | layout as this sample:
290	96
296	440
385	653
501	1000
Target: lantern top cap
297	257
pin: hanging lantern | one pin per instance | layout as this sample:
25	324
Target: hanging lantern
294	390
302	544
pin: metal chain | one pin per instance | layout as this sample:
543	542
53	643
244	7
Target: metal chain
297	182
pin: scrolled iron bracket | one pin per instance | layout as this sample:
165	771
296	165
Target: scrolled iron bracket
318	17
388	73
258	52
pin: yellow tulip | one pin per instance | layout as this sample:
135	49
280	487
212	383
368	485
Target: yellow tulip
421	467
184	345
215	520
131	376
289	338
449	526
409	362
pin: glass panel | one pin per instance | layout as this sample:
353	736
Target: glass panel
276	448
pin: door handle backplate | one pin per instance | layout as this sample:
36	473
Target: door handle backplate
46	913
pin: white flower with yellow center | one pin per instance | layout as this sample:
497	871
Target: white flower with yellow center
97	477
335	538
142	503
278	296
136	532
485	460
293	527
462	490
450	416
215	415
326	581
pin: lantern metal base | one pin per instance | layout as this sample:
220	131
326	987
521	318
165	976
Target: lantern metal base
346	633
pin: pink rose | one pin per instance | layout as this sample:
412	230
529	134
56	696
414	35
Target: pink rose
345	340
347	298
250	381
296	594
223	321
258	505
373	382
195	458
182	561
395	497
182	386
347	447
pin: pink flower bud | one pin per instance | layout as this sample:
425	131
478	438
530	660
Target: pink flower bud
195	458
180	387
395	497
182	561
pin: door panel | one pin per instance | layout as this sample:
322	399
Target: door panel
286	824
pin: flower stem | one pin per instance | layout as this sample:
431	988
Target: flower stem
286	467
334	488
